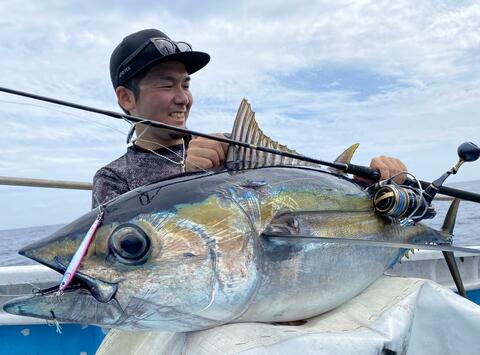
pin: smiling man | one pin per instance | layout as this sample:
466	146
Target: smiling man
151	77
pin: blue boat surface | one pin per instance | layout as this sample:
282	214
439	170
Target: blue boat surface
40	339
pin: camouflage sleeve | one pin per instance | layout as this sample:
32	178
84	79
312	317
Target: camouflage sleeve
106	186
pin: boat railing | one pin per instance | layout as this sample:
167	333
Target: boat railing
48	183
16	281
76	185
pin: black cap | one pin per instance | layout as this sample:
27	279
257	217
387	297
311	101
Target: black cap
121	71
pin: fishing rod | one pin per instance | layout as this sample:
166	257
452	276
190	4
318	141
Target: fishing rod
358	170
347	168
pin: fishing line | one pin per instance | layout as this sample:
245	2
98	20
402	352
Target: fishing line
419	191
181	157
138	138
75	115
56	323
132	130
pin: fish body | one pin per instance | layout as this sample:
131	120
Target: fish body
189	253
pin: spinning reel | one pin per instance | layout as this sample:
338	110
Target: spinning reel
408	202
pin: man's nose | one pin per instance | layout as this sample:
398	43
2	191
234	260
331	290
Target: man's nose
181	97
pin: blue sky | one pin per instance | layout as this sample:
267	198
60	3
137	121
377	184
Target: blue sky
400	78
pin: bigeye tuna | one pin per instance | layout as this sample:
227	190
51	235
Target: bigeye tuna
188	253
191	252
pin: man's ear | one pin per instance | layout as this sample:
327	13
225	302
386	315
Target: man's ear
125	98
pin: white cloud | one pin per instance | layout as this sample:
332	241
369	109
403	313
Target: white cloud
426	52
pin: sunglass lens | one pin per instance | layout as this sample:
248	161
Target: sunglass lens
163	46
184	47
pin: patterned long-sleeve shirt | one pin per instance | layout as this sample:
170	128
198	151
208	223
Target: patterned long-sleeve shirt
137	167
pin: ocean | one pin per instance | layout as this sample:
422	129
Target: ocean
466	228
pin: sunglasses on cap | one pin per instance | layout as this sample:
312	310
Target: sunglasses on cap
163	46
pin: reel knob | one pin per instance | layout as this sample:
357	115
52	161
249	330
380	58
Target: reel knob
468	151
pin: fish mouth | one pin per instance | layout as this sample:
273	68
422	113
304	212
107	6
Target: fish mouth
42	252
102	291
75	305
87	300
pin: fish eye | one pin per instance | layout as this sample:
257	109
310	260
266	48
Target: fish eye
129	244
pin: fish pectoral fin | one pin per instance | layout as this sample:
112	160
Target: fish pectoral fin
286	224
370	242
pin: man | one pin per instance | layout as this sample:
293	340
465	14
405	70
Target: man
151	75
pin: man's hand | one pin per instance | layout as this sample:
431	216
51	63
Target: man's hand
389	167
205	154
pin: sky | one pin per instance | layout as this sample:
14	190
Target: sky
401	78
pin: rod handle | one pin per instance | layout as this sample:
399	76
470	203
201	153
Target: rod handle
363	171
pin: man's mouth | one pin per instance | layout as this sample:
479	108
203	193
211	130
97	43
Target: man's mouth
177	115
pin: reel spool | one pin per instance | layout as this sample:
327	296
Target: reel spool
400	202
406	203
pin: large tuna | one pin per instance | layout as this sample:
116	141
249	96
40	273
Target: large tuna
188	253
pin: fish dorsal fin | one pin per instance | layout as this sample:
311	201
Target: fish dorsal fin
345	158
246	129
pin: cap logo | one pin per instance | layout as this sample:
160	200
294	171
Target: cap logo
123	72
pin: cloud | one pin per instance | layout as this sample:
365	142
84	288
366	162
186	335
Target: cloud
402	78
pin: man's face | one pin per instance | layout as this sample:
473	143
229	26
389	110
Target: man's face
165	95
